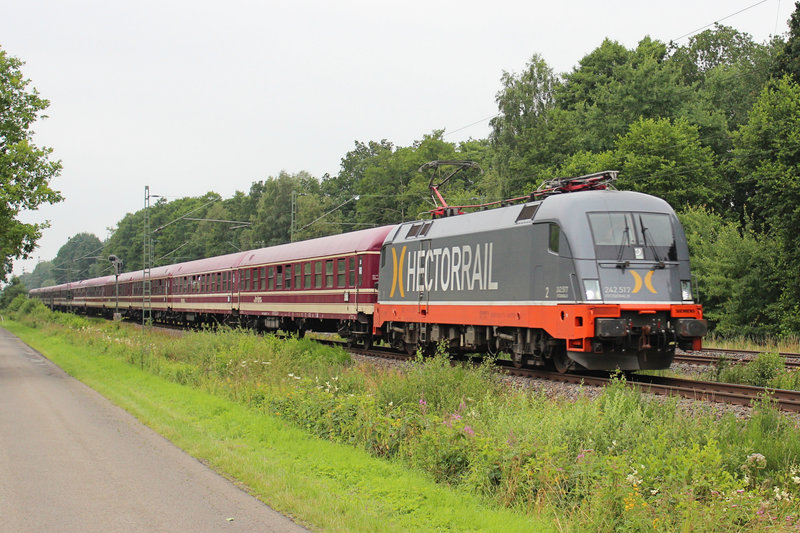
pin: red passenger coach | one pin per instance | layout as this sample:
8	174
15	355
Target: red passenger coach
324	284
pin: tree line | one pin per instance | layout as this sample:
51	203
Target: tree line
712	126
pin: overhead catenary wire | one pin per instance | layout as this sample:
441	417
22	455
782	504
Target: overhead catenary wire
720	20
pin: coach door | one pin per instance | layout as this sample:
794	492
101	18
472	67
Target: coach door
357	269
233	287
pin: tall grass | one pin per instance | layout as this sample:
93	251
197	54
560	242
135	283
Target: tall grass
620	462
789	344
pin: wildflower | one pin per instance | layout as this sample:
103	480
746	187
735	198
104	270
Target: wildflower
780	494
653	491
469	431
633	478
756	460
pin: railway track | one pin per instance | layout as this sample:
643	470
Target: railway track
710	356
728	393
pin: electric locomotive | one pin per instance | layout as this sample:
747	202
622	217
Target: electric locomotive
598	278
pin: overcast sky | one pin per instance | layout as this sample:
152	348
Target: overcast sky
194	96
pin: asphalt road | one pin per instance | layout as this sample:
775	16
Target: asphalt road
72	461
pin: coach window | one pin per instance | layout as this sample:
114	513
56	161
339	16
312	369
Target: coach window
318	274
279	277
555	237
298	276
341	272
225	278
352	271
307	276
287	271
329	273
271	278
263	275
254	273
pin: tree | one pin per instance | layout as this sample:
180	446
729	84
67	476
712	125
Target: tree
614	87
42	276
11	291
727	70
666	159
347	182
25	169
789	58
272	222
737	274
529	133
767	160
75	259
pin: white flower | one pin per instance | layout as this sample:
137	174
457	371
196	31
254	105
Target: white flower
634	479
781	494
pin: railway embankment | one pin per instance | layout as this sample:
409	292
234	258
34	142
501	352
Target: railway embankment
288	417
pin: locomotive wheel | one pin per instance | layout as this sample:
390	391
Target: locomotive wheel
561	362
516	358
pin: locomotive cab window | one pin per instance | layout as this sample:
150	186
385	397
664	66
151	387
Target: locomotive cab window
554	239
633	236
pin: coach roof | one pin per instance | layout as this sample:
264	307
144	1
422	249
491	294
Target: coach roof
366	240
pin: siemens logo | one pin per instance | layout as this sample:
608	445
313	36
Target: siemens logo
456	268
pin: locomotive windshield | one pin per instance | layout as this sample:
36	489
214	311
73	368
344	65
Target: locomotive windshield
633	236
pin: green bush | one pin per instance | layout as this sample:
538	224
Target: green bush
16	303
759	372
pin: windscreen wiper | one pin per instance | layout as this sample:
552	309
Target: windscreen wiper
659	261
620	263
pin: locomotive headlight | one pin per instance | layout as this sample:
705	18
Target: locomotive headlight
591	288
686	291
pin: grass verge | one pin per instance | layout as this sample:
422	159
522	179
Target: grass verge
322	484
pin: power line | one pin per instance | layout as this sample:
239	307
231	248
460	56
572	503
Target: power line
472	124
720	20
